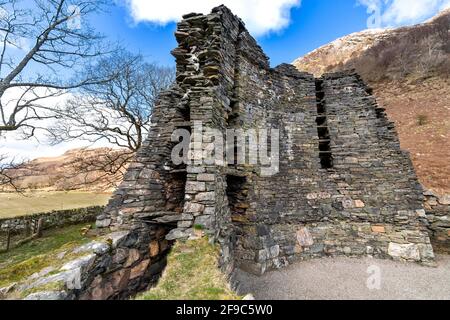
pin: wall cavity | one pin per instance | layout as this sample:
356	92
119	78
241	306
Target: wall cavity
325	154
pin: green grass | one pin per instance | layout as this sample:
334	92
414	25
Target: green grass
192	274
14	204
32	257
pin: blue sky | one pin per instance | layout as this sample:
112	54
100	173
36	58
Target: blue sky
147	27
286	29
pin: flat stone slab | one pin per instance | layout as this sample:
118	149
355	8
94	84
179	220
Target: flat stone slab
348	279
47	295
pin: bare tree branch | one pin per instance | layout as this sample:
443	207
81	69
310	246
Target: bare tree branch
41	46
117	111
8	175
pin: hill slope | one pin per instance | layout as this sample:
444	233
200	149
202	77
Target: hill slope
409	70
98	169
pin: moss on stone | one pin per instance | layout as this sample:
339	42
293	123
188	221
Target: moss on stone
52	286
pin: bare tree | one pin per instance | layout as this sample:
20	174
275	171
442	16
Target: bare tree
116	111
42	42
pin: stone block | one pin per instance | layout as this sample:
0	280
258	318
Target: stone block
304	238
421	213
317	248
274	251
103	223
184	224
359	204
133	257
262	256
139	270
426	252
119	279
153	248
347	250
205	196
404	251
209	211
47	295
102	292
195	186
204	220
195	169
176	234
195	208
206	177
81	264
378	229
120	256
348	203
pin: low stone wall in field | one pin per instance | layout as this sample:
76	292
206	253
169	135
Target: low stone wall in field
51	219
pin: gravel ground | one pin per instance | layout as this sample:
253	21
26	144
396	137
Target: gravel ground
346	279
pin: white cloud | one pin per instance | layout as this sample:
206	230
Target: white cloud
403	12
12	144
23	150
260	16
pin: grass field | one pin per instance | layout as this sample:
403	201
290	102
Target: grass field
21	262
14	204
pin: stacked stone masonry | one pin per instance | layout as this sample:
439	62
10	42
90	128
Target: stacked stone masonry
343	186
51	220
115	266
438	216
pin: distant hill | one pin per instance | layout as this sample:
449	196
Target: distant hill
77	169
409	70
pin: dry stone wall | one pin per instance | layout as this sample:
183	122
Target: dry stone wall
114	266
438	216
50	220
342	185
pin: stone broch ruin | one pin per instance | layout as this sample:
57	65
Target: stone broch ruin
343	186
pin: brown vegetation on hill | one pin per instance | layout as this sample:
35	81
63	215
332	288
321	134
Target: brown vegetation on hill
98	169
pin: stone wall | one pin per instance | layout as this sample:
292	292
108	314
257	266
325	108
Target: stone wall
438	215
52	219
115	266
343	185
134	262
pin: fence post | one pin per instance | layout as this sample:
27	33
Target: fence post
29	229
8	239
39	227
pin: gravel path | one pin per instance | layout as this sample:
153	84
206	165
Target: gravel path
345	278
